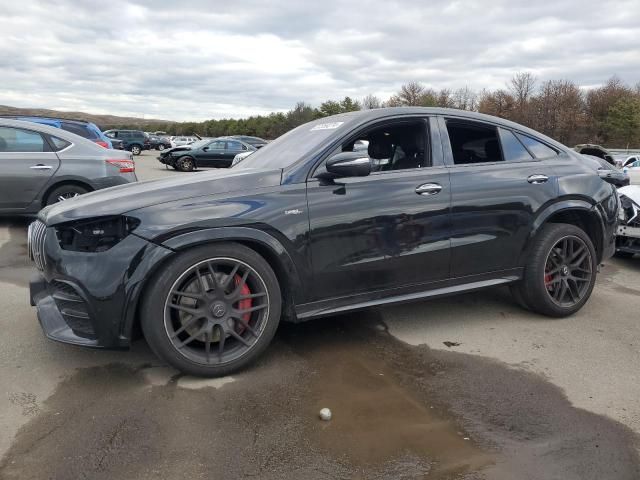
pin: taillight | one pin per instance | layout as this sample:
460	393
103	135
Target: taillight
125	166
102	143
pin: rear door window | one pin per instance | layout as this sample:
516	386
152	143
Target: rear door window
19	140
473	142
512	149
233	145
539	149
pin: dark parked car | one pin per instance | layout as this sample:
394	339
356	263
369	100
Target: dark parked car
442	202
158	143
595	151
217	152
254	141
85	129
133	140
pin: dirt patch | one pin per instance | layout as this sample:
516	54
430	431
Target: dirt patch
398	412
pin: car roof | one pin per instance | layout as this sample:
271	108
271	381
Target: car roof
39	127
44	117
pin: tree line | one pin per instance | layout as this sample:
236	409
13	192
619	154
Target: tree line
607	115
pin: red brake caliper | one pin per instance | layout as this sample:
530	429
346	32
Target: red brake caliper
243	304
548	278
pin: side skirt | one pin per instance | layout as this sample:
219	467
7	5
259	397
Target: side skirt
411	293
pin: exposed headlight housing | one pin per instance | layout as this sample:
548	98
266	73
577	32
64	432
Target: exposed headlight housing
95	235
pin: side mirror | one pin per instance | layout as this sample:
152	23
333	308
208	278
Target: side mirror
349	164
205	149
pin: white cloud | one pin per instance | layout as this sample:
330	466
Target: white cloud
199	59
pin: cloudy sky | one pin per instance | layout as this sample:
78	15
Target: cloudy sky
194	60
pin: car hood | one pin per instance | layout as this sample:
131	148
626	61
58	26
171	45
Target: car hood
133	196
179	148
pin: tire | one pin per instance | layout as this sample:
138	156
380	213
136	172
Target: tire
64	192
160	147
135	149
180	338
553	284
185	164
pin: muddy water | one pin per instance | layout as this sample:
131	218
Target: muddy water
377	421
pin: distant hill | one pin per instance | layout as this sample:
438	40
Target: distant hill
103	121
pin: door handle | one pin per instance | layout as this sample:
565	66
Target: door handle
428	189
536	179
41	166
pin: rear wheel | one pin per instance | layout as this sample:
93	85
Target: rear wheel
185	164
64	192
212	310
160	147
560	273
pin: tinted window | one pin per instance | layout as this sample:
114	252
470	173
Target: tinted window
18	140
473	142
513	150
218	145
79	130
539	149
59	143
231	145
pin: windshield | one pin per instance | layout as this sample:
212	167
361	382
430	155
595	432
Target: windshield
295	144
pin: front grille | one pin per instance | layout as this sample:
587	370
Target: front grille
73	309
35	243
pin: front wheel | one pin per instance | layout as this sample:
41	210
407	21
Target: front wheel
136	150
212	310
185	164
560	273
160	147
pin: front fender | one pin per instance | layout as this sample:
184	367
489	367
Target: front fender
251	236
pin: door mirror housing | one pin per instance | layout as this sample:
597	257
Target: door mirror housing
349	164
205	149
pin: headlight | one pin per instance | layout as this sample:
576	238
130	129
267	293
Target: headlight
95	235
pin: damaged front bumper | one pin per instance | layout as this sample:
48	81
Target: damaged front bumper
628	232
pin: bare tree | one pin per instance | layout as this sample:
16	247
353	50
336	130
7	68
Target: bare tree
522	86
465	99
370	102
410	94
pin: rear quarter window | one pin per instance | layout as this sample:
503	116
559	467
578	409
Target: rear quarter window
539	149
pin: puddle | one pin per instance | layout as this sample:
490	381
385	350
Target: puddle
377	422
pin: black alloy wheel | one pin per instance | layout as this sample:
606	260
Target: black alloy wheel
568	272
209	314
560	271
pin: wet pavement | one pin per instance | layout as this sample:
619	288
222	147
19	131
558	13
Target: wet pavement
405	405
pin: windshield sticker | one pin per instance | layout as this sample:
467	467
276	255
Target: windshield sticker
326	126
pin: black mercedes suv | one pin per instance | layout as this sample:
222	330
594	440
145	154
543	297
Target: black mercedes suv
442	202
